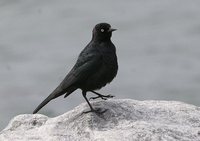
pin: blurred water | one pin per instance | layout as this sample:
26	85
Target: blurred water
157	44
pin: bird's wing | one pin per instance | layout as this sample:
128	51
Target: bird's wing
83	68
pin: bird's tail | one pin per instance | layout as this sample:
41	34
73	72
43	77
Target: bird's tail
49	98
56	93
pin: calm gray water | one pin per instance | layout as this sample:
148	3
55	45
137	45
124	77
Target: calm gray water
158	46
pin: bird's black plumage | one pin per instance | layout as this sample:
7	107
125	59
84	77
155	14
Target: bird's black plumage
96	66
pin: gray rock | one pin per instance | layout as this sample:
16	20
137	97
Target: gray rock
124	120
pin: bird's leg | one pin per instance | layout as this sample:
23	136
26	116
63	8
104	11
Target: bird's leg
98	111
84	95
104	97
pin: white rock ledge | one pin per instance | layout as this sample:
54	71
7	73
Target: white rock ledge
125	120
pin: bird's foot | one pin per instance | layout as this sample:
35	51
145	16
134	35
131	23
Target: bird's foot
97	111
104	97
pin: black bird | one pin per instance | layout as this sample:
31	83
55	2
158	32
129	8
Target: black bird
96	66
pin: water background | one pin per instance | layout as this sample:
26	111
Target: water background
158	47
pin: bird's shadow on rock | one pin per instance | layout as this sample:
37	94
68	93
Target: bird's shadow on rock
98	111
101	119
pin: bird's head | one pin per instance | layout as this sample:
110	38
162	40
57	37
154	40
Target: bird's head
102	32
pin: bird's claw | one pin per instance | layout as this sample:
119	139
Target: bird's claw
104	97
97	111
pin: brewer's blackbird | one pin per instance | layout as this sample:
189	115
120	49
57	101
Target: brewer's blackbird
96	66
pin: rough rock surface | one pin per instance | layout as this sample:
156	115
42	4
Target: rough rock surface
125	120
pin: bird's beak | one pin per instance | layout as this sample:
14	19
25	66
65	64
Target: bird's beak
111	30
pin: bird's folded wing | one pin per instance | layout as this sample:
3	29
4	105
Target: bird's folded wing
82	70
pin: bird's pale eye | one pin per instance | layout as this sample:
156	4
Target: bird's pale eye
102	30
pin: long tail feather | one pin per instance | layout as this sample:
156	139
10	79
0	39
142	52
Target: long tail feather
49	98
